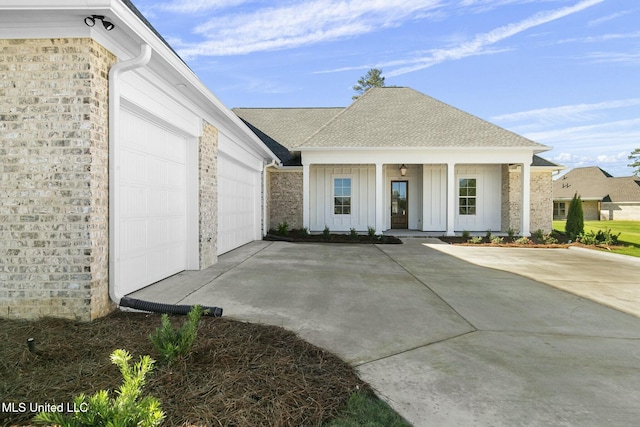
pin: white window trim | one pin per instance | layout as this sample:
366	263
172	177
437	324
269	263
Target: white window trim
333	196
458	196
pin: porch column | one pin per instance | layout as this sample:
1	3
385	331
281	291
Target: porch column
525	209
379	199
306	205
451	198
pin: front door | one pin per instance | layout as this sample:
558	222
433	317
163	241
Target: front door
400	204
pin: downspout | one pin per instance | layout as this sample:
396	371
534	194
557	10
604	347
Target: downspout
114	114
265	226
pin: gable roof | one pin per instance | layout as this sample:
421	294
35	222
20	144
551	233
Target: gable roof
283	129
593	183
400	117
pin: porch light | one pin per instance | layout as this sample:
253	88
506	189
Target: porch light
91	21
403	170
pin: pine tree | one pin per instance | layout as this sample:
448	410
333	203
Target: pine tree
575	218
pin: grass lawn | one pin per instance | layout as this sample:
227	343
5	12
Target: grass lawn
629	233
237	374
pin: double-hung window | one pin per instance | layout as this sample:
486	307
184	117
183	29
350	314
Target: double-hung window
342	196
468	194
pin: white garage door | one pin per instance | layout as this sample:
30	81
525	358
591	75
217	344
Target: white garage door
239	195
150	203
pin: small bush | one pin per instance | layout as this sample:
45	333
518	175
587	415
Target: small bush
539	234
511	232
549	239
488	235
353	234
303	232
283	229
371	231
326	233
175	344
126	410
476	240
599	238
496	240
575	218
524	241
466	234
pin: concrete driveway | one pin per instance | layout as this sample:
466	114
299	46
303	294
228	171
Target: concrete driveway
444	340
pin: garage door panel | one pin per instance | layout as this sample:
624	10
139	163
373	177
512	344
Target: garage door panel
151	225
239	200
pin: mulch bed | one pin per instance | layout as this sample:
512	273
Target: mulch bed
238	374
296	236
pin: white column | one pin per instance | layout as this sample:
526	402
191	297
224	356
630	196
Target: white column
525	209
306	197
451	198
379	199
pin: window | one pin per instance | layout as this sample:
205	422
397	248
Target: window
467	198
342	196
559	210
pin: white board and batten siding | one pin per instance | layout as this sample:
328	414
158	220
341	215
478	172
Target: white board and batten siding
363	180
488	209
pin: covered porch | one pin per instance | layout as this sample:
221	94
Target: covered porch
428	192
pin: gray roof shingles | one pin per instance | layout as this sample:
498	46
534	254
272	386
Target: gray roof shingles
397	117
594	183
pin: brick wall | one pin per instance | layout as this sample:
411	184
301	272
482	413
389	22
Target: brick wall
285	198
541	202
208	149
54	178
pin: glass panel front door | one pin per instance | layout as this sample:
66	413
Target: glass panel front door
400	204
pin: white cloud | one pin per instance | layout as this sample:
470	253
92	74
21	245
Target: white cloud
608	18
481	41
614	57
300	23
613	158
572	113
192	6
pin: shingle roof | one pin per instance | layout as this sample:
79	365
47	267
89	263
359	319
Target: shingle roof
403	117
283	129
594	183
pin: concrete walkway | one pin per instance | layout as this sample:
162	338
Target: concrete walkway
445	341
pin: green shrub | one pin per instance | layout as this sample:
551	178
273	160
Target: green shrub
475	240
511	232
126	410
599	238
549	239
488	235
326	233
353	234
466	234
283	229
539	234
175	344
371	231
496	240
303	232
524	241
575	218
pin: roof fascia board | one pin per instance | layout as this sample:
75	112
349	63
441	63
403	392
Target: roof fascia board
138	32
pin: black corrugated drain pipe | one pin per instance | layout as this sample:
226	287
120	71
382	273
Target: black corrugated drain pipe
157	307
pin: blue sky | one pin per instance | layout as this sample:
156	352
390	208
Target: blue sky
565	73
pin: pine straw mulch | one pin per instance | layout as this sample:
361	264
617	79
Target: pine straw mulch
238	374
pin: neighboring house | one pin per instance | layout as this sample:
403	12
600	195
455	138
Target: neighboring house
604	197
118	167
397	158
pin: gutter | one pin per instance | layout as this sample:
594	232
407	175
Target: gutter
114	115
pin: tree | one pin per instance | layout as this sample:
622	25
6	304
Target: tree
635	156
575	218
373	78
